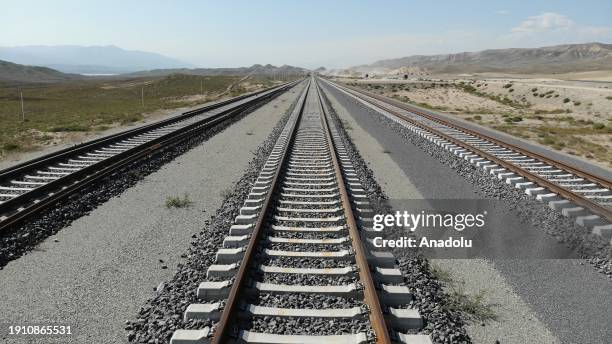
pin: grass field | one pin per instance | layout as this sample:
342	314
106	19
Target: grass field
52	111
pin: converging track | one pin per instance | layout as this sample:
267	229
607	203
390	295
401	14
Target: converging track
27	188
568	189
295	267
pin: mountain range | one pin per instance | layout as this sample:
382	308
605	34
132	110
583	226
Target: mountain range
256	69
88	60
17	73
553	59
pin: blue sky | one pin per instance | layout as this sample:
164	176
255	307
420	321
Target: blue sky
305	33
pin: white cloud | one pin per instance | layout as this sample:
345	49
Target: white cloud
550	29
548	21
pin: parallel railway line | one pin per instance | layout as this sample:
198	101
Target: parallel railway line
27	188
568	189
295	267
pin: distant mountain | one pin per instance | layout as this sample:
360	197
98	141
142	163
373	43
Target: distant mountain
256	69
89	60
12	72
553	59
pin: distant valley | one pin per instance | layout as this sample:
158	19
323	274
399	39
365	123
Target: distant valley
89	60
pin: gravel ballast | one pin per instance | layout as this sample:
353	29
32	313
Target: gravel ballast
441	324
98	271
169	305
537	214
532	298
164	313
24	238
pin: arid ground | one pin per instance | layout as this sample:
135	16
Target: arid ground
571	112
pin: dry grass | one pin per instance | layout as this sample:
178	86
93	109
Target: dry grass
178	202
473	306
53	111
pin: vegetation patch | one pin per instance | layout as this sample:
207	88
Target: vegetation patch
473	306
586	132
498	98
98	104
178	202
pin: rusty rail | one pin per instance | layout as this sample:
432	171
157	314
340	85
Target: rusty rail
377	318
223	326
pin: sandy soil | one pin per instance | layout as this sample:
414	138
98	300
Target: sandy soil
571	116
598	76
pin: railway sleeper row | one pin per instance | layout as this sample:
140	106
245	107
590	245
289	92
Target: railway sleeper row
583	217
24	187
308	213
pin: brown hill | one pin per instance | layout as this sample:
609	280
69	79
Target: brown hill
553	59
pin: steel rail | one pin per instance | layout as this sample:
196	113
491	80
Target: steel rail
51	158
371	299
562	191
559	164
223	326
67	185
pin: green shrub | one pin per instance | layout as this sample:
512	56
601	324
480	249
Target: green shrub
478	117
598	126
508	85
576	103
68	127
566	100
534	89
178	202
10	146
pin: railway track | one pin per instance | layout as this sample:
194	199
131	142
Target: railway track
573	192
30	187
295	267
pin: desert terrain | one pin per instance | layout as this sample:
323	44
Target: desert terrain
568	112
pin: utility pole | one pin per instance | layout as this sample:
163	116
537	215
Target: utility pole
201	86
22	110
142	95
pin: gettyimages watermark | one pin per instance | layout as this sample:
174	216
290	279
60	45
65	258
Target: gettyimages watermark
461	228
